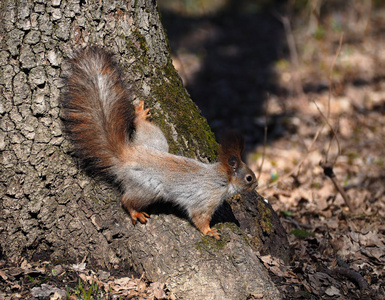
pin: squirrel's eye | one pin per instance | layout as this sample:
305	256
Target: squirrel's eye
249	178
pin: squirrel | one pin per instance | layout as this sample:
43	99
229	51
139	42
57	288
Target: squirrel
114	138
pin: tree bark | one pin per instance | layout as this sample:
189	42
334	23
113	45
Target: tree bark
50	209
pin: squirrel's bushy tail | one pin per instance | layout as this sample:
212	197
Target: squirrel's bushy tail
97	109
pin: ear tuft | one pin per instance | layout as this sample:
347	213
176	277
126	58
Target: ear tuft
232	144
233	140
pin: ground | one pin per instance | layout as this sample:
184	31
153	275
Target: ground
318	86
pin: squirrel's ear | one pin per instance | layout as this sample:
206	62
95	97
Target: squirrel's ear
230	151
233	142
233	162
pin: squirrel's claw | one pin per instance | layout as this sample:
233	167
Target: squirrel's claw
128	205
142	113
214	233
142	217
139	216
202	222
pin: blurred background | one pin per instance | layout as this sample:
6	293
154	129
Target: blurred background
313	73
234	55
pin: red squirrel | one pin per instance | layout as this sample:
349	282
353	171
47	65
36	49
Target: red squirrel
116	139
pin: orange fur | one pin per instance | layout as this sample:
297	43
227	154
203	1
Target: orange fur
231	148
116	139
99	135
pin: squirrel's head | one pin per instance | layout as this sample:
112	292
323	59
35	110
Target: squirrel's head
239	174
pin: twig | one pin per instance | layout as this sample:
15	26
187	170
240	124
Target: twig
328	171
296	224
329	97
287	175
328	167
332	129
264	140
353	276
293	54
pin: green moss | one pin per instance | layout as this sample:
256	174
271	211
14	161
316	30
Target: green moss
287	213
301	234
142	41
170	93
141	66
209	244
265	221
234	228
193	132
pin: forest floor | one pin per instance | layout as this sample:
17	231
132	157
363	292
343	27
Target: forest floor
337	237
320	92
325	173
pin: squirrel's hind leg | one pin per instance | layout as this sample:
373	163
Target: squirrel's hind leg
135	215
142	113
147	133
202	222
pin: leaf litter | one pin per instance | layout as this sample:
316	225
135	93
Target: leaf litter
338	249
42	280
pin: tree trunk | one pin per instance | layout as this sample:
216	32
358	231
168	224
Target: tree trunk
50	209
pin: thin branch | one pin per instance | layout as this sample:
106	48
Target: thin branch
328	171
287	175
264	139
328	167
354	276
330	94
332	129
293	52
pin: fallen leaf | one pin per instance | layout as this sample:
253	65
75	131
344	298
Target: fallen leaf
332	291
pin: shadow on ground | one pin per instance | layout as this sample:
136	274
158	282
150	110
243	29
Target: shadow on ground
231	55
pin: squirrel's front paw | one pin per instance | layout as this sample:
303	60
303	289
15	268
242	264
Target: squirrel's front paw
139	216
214	233
202	222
